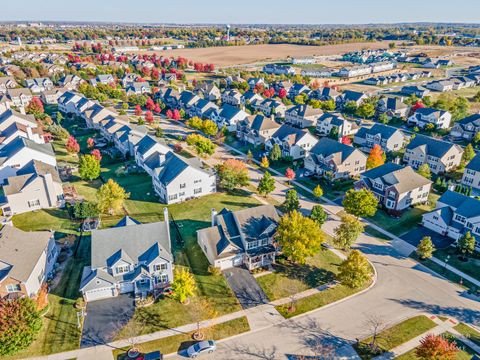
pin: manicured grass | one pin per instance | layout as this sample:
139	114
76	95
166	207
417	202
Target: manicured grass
290	278
45	219
468	332
59	331
445	273
375	233
465	353
175	343
330	190
470	267
409	219
395	336
318	300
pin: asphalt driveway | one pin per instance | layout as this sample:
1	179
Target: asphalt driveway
105	318
414	236
245	287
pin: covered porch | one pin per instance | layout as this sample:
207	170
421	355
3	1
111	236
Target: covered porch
261	257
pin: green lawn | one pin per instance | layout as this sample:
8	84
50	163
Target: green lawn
468	332
60	332
408	220
175	343
465	352
46	219
470	267
395	336
318	300
290	278
330	191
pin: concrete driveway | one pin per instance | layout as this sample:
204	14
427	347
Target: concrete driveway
105	318
414	236
245	287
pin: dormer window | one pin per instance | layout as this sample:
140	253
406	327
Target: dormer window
122	269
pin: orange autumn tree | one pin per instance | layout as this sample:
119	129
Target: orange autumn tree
233	174
436	347
376	157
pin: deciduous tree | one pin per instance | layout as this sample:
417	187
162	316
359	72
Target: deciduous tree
291	202
72	145
347	232
360	203
318	214
183	285
436	347
424	170
266	184
138	110
89	167
275	153
318	191
96	154
425	248
466	244
111	197
90	143
289	174
376	157
35	107
299	236
149	117
355	271
233	174
264	163
468	153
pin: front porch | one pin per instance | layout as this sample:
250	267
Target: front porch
262	258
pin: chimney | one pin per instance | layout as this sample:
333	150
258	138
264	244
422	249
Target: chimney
167	222
29	133
161	158
214	215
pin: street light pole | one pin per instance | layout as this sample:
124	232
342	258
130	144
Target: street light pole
445	267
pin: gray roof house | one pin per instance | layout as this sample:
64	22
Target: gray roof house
397	187
243	237
228	116
388	137
293	142
138	88
302	116
466	128
440	155
130	257
439	118
471	174
26	261
335	122
256	129
454	215
333	160
36	185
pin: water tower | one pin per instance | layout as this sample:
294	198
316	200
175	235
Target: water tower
228	32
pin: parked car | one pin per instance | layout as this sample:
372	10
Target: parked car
207	346
154	355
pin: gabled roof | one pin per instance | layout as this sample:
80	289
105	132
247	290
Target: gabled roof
472	119
259	122
174	165
127	221
305	111
289	134
384	131
474	164
326	147
20	143
432	147
147	143
22	250
349	95
430	111
402	178
135	241
462	205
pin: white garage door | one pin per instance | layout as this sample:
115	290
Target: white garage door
126	287
98	294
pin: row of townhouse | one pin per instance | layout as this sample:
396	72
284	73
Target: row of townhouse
174	178
360	70
396	78
28	169
278	69
454	83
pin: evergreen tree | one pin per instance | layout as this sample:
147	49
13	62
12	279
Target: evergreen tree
266	184
291	201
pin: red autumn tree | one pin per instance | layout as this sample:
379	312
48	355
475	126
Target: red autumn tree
282	93
418	105
376	157
436	347
169	114
346	140
176	115
155	74
72	145
289	174
96	154
149	117
150	105
138	110
258	89
35	107
157	109
269	93
315	85
90	143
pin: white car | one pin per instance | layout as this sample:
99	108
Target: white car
207	346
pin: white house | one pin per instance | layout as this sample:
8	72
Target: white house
293	142
423	116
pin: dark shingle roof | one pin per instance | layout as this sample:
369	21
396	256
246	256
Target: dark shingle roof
326	147
433	147
474	164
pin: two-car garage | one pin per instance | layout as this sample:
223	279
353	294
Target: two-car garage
100	293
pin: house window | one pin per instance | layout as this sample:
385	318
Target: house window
197	191
60	197
460	219
122	269
33	203
13	288
183	186
158	267
172	197
40	277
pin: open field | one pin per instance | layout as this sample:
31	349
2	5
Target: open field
248	54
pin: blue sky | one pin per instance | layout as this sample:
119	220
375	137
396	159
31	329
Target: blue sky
244	11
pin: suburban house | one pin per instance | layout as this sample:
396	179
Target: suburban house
94	114
272	107
130	257
202	108
441	85
103	79
187	99
330	123
26	261
51	96
232	97
70	82
298	89
388	137
471	174
20	130
7	82
293	142
36	186
394	107
418	91
21	151
178	179
397	187
441	156
354	96
39	85
228	116
466	128
67	103
149	153
325	93
251	98
127	137
18	97
333	160
138	88
423	116
302	116
209	91
454	215
256	129
243	237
